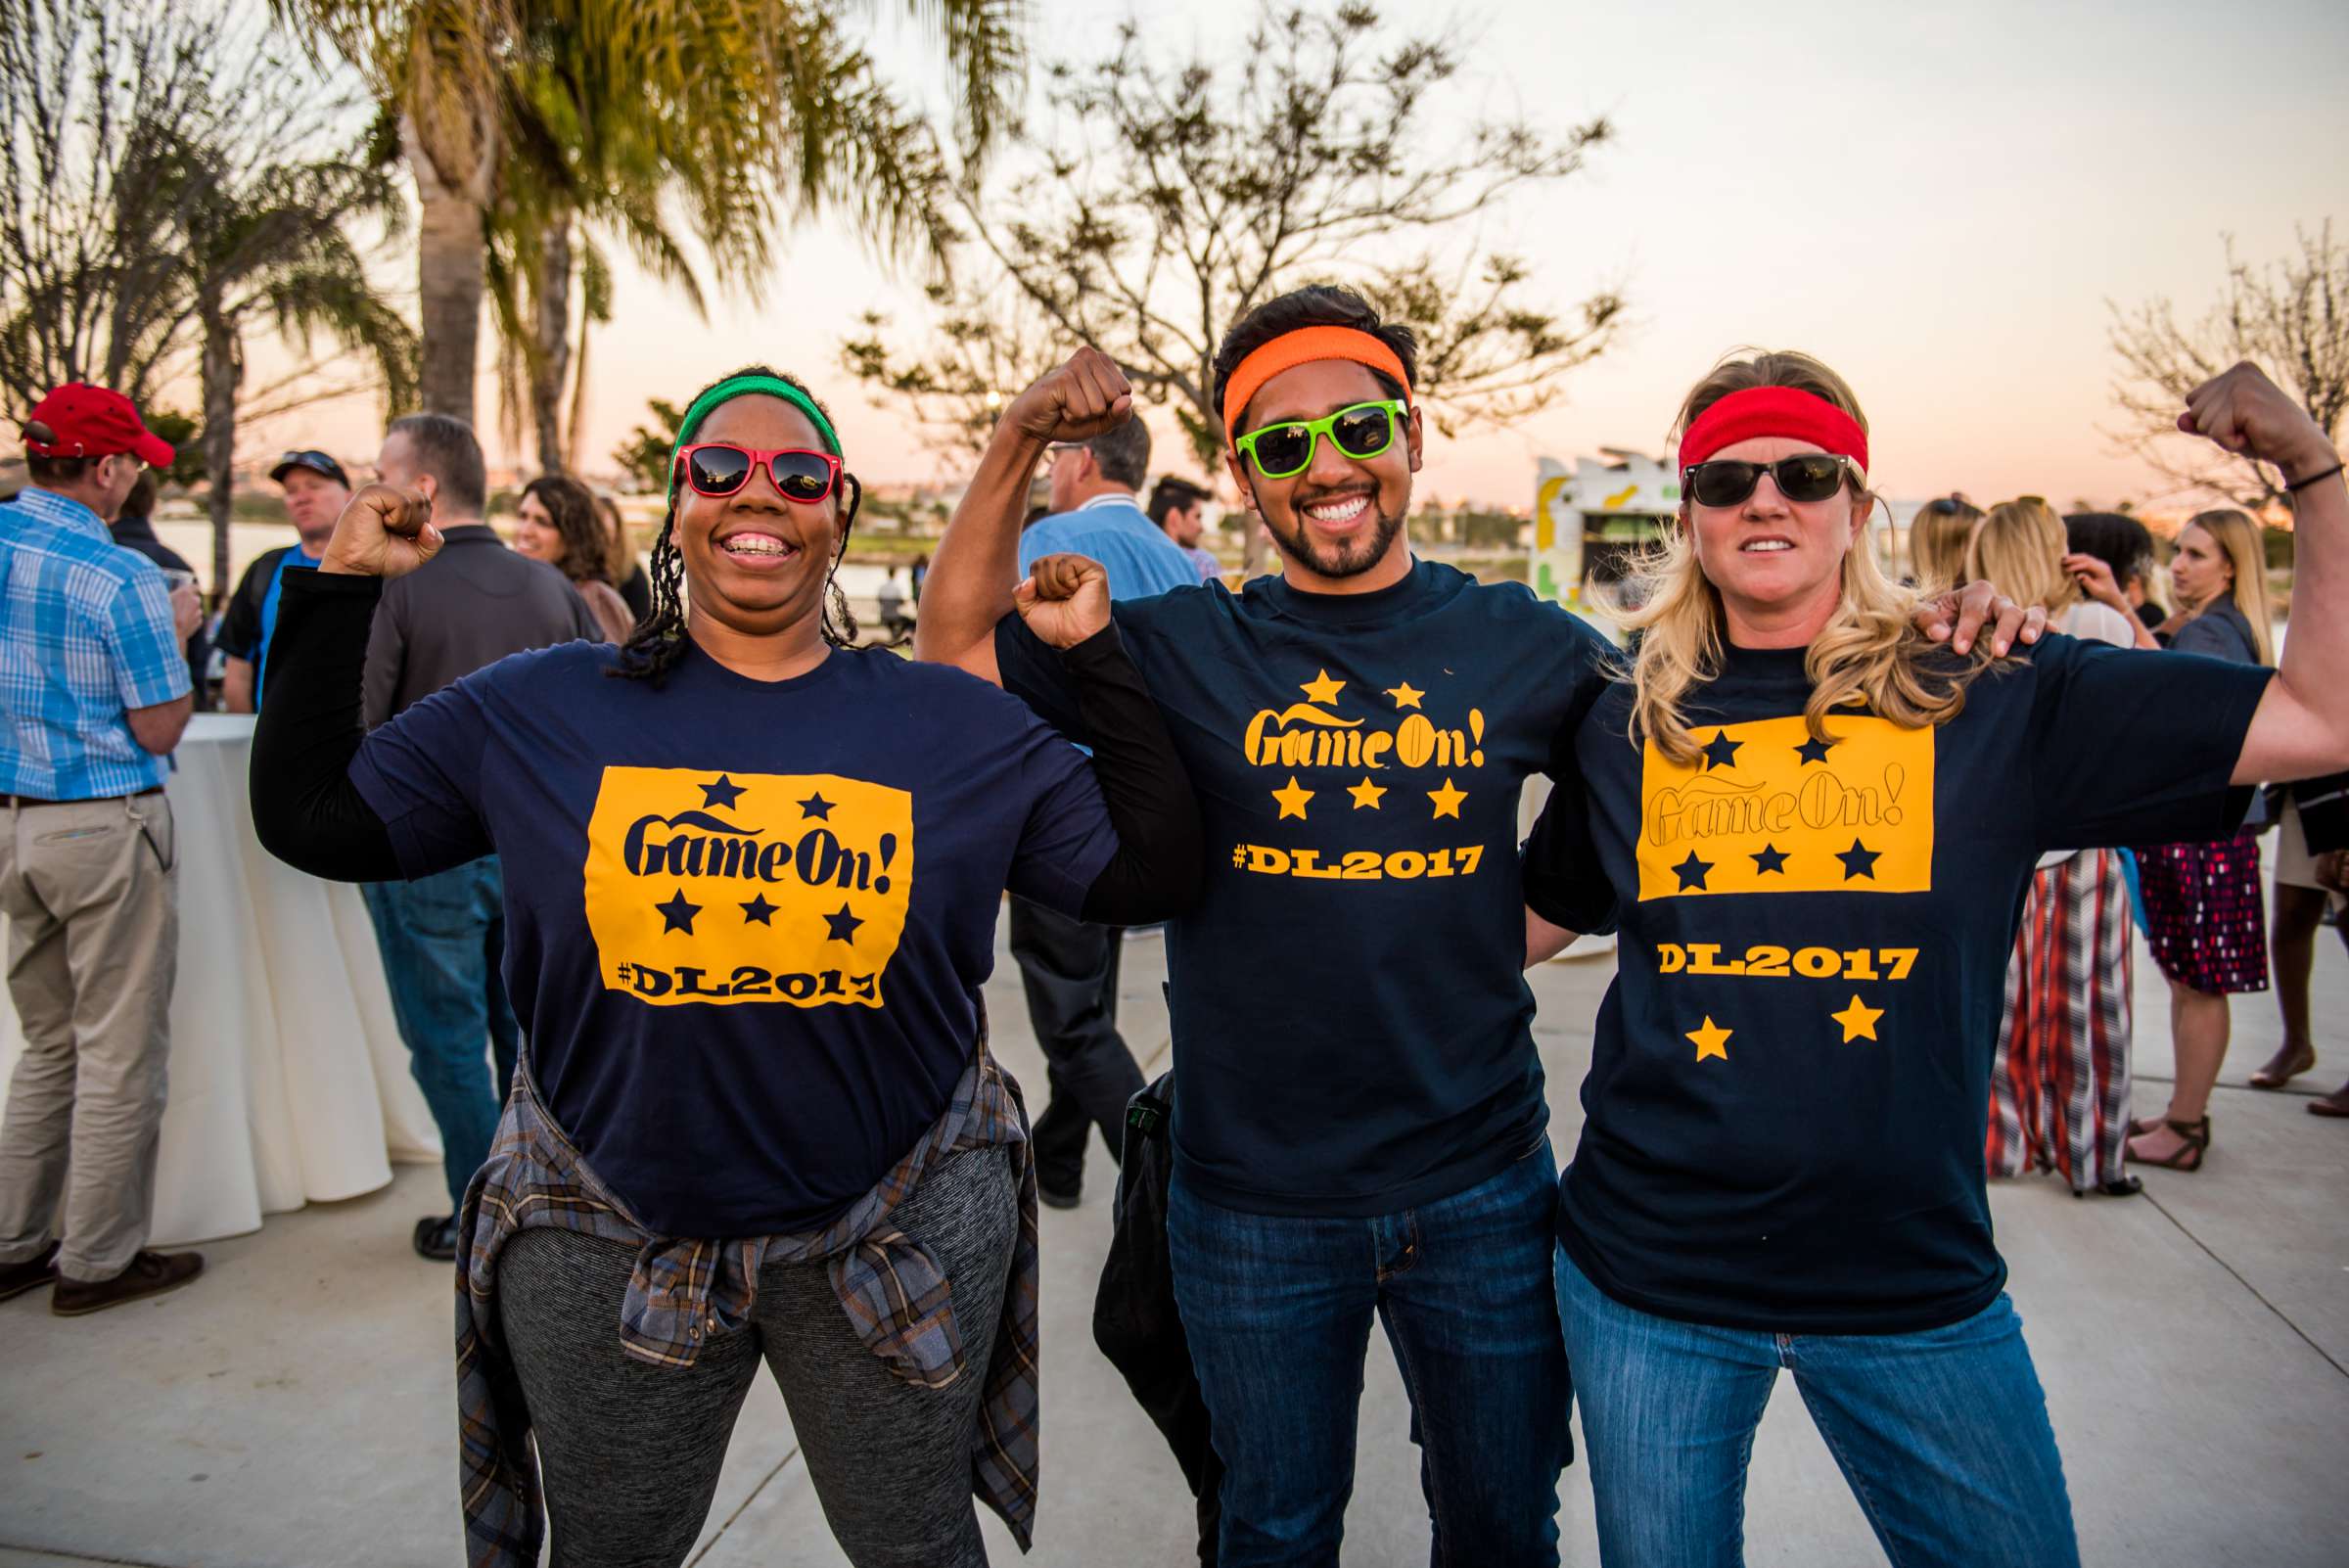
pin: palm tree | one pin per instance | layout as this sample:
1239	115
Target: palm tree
269	245
532	125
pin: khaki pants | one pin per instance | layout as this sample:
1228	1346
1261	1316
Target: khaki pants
90	890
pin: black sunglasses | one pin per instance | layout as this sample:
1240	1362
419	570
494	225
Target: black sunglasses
1809	477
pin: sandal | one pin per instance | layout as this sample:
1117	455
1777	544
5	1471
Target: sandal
2334	1104
2285	1066
2189	1157
2124	1186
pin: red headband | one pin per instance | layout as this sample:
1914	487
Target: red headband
1773	411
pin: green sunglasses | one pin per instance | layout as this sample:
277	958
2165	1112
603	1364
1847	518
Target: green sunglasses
1360	431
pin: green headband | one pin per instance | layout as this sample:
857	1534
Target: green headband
736	387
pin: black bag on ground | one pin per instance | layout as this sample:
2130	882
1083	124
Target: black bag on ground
1134	1319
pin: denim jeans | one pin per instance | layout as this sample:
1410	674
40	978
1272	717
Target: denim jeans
1278	1311
442	939
1943	1436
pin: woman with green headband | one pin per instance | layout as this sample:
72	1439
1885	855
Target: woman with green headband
752	879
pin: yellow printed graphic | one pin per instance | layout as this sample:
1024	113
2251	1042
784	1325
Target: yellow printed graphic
1766	808
724	888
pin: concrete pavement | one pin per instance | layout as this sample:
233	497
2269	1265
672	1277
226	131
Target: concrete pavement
295	1409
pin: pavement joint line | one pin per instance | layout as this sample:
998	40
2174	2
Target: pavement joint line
2236	1274
71	1555
764	1482
2313	1091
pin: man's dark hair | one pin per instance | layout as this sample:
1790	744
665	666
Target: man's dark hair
446	448
1319	304
1172	494
2115	538
51	472
140	502
1123	453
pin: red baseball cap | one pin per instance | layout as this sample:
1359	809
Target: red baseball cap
85	421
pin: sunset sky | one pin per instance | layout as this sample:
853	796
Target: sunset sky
1937	199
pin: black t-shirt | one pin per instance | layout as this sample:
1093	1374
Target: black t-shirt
747	922
1352	1031
1787	1092
241	622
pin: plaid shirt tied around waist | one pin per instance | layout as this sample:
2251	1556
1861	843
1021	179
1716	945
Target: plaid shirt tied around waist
688	1292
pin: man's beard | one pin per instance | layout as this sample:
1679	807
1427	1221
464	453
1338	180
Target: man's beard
1348	559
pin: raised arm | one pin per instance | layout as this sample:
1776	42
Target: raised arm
2301	728
971	578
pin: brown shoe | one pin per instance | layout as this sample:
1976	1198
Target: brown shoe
150	1273
34	1273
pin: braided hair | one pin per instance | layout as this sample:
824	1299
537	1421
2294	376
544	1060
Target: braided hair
659	641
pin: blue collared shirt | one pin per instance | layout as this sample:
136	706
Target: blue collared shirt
1116	533
85	637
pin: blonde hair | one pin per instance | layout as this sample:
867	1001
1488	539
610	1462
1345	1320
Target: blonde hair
1938	538
2245	545
2020	550
1869	654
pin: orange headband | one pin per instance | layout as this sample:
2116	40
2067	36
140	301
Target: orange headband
1301	348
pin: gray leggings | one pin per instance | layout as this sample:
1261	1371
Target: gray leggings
631	1452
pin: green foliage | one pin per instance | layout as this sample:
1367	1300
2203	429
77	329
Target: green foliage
1160	197
644	455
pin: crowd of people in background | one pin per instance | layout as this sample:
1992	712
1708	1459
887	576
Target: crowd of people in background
511	747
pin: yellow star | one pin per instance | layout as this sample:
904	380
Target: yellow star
1859	1021
1405	695
1712	1039
1447	799
1323	690
1292	800
1365	794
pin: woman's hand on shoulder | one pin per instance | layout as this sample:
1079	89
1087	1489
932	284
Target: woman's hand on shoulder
383	532
1065	599
1958	618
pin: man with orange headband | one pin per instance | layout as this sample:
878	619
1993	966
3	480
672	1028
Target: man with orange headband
1359	1126
1359	1122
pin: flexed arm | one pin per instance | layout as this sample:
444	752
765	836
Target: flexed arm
969	587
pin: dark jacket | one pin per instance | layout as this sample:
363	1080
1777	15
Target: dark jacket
1134	1321
467	607
2219	632
138	533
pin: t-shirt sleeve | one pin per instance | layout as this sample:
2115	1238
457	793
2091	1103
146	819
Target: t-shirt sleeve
421	774
2129	747
150	666
241	623
1067	837
1564	882
1586	663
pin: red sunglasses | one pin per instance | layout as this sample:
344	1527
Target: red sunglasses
719	469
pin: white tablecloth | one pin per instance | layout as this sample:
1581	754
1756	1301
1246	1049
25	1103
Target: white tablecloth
289	1082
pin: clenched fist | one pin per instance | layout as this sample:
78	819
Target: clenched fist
1074	404
383	532
2243	411
1065	599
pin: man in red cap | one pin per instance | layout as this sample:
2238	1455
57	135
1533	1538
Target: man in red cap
94	694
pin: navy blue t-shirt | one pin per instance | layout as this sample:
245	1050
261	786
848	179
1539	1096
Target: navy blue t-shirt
1352	1031
1789	1082
747	922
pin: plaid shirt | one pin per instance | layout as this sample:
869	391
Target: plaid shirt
85	635
686	1292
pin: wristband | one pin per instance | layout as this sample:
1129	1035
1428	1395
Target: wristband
2303	483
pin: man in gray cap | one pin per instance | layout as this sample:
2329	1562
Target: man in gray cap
316	491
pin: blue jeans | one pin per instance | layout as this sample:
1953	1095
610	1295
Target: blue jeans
1943	1436
442	939
1278	1311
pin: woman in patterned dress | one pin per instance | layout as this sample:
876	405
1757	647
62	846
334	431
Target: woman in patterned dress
2208	928
2059	1083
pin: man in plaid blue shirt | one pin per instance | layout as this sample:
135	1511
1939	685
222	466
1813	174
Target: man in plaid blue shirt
94	695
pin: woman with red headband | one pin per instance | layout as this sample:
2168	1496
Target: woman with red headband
1816	827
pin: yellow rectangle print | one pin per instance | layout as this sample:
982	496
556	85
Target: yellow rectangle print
726	888
1766	808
